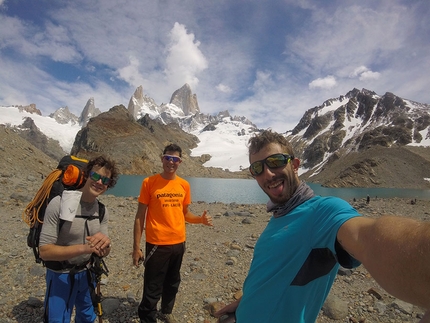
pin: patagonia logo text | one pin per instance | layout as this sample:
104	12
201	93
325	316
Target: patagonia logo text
170	195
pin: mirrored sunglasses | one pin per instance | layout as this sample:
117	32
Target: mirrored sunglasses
174	159
273	161
96	177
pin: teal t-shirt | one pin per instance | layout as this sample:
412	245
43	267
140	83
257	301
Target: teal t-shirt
295	263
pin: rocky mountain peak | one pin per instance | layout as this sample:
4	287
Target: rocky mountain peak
31	133
354	123
184	99
137	145
141	104
183	110
223	114
358	139
89	111
64	116
31	108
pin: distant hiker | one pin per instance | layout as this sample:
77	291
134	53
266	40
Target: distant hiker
368	199
297	256
162	211
71	233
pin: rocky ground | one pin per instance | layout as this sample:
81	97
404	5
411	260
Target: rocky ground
215	264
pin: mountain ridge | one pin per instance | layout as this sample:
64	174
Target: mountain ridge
330	139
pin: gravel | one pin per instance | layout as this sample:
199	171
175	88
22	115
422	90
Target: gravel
215	264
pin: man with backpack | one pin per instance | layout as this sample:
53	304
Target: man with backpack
72	232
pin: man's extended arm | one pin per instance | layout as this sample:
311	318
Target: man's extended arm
192	218
396	252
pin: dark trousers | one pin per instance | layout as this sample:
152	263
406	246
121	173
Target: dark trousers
161	279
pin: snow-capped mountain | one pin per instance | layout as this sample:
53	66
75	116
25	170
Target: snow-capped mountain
64	130
356	121
64	116
88	112
350	123
222	136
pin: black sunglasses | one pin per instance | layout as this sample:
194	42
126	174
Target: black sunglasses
174	159
96	177
273	161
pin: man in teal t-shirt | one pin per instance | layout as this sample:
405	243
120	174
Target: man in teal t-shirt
298	254
300	248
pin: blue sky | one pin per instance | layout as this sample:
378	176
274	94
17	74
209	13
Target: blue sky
267	60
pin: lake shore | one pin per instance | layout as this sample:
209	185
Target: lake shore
215	264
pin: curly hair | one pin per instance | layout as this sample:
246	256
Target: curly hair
266	137
110	165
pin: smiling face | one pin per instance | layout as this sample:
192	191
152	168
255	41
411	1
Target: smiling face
170	165
92	189
278	183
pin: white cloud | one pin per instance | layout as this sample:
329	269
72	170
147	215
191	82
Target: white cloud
130	73
54	41
358	71
352	34
223	88
364	74
327	82
261	62
369	75
184	60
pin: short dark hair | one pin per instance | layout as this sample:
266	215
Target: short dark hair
259	141
107	163
173	147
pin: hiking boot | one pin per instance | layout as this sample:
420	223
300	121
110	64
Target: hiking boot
168	318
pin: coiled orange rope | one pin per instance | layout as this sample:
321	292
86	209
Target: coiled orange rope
30	215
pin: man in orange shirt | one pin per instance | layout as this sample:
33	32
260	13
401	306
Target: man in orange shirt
162	211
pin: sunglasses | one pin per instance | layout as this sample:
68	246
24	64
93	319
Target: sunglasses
174	159
273	161
96	177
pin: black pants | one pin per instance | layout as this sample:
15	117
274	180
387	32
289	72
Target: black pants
161	279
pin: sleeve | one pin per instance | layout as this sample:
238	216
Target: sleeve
51	220
104	223
144	192
187	188
332	213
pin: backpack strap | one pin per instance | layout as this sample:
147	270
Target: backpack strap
60	265
102	210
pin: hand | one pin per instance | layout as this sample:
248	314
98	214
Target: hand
99	243
206	219
230	308
137	257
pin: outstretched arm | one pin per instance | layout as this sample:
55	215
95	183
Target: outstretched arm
205	219
396	252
